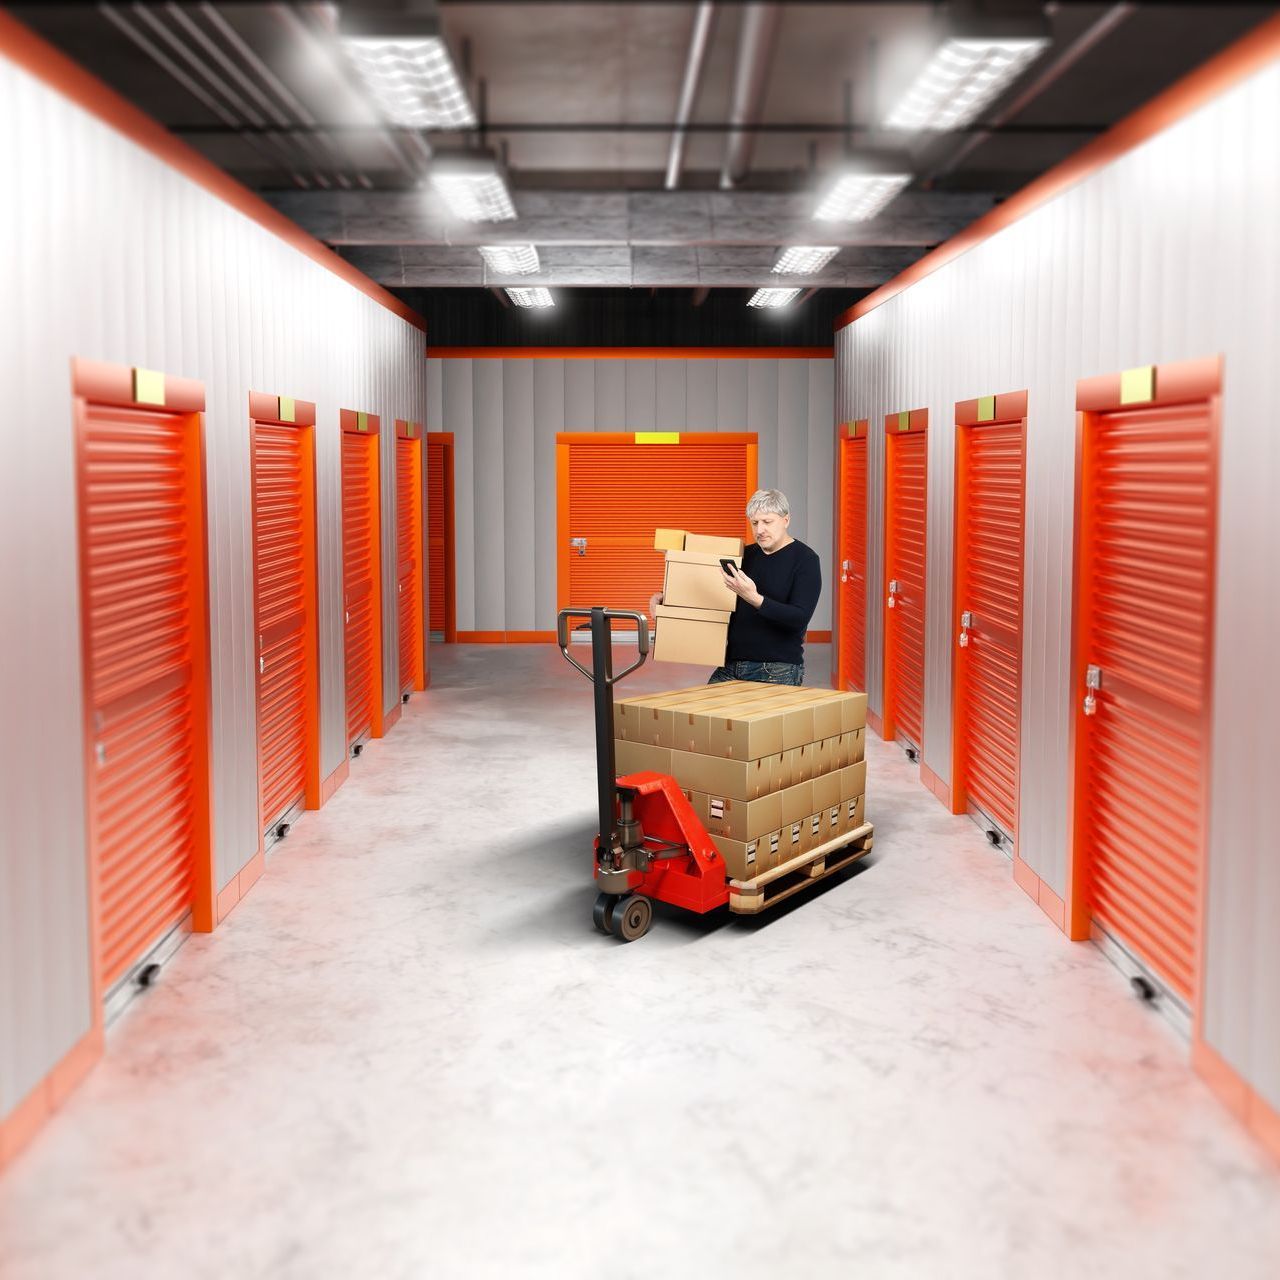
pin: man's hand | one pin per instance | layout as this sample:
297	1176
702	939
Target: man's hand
741	585
654	601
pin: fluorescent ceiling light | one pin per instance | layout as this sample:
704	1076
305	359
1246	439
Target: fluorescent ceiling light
773	297
962	78
511	259
531	297
805	260
413	82
855	197
472	184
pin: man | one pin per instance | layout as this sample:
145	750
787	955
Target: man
777	589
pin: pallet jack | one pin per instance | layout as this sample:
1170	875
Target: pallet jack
652	846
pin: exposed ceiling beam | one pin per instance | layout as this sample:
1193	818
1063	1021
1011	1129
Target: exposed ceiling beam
756	42
699	41
650	126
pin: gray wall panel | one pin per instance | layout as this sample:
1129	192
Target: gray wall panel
1167	254
611	394
641	379
520	560
550	377
792	475
669	412
762	416
435	398
488	495
731	395
700	395
822	455
126	261
579	395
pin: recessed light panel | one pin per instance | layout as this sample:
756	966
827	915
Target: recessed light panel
531	297
473	186
773	298
962	77
511	259
855	197
804	259
412	81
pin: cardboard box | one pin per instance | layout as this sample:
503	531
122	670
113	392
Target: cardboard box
796	803
669	539
853	709
827	791
825	756
685	725
853	812
782	775
834	824
853	746
740	779
770	853
813	835
853	780
745	733
640	757
712	546
637	719
744	859
738	819
792	841
691	635
803	762
694	581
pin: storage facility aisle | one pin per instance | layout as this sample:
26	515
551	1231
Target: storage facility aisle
408	1054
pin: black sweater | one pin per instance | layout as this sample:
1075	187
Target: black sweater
790	581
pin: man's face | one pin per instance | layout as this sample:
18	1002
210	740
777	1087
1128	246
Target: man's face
770	529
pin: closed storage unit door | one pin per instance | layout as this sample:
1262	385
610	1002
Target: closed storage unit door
409	555
145	645
615	492
440	535
990	487
853	558
906	478
1144	618
362	599
284	596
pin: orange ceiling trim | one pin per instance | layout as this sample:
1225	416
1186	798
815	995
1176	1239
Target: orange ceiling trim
21	46
630	353
1220	74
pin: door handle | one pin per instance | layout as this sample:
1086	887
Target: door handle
1092	683
966	621
845	566
579	545
262	665
893	592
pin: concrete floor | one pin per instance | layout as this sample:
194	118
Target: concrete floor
408	1054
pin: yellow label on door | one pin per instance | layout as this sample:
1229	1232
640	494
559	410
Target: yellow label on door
1138	386
287	410
657	437
986	408
148	387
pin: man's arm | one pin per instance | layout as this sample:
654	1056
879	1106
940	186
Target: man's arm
795	613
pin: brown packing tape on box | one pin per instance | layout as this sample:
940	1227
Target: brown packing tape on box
741	779
853	780
690	635
695	581
737	819
710	544
669	539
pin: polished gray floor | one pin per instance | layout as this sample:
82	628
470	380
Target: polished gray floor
407	1054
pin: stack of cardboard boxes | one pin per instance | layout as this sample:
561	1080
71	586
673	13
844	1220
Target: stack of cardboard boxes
773	771
693	618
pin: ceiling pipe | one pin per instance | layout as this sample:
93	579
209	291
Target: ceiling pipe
1090	38
699	41
756	43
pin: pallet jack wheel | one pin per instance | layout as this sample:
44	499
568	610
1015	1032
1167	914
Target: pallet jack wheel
631	917
600	912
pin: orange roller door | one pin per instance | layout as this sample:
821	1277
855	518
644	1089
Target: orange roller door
145	655
990	496
284	597
906	485
1144	617
409	548
440	604
852	661
362	595
614	491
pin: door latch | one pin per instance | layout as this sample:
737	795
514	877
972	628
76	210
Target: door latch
100	752
1092	683
966	621
579	545
262	665
893	591
845	567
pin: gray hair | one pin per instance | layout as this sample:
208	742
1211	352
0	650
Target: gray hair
768	502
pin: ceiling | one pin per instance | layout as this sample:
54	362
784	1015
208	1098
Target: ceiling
580	98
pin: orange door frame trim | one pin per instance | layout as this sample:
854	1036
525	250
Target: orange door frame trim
858	429
412	431
445	441
368	426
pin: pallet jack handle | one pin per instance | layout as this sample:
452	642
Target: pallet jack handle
606	616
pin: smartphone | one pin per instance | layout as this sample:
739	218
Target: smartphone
728	566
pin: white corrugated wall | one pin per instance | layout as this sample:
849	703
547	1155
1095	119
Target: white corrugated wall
1169	253
505	414
112	255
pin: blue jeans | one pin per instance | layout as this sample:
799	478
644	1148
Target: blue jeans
761	672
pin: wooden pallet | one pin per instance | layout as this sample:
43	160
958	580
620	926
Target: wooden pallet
747	897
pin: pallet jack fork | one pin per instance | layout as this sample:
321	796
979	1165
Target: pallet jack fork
652	846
